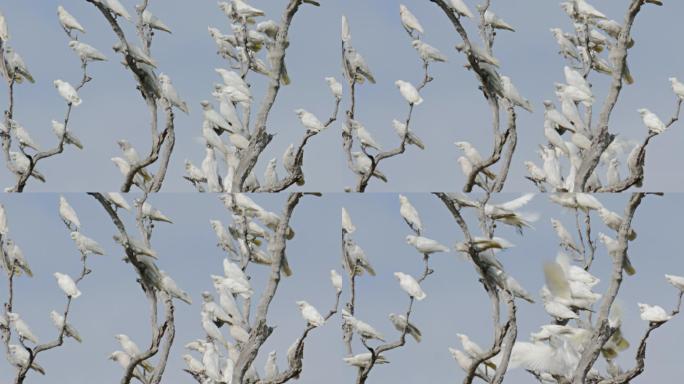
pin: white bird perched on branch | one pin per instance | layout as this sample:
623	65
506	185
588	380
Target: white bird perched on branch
86	52
612	247
214	119
309	120
154	22
20	163
136	53
613	221
124	360
117	200
67	213
237	83
86	245
362	165
409	92
554	138
403	132
401	325
425	245
427	52
213	142
677	87
310	314
67	285
587	10
245	10
20	357
508	282
336	280
211	364
362	360
217	313
22	135
653	313
567	47
233	285
575	273
68	21
67	92
587	202
136	246
347	224
410	285
233	271
355	259
194	365
535	173
409	20
172	288
169	93
676	281
364	135
465	362
652	121
461	8
21	327
17	67
69	330
210	169
473	350
571	92
271	367
473	156
271	173
575	79
410	214
557	118
117	8
132	349
335	87
495	21
478	53
60	131
155	214
511	93
16	257
364	330
355	67
211	329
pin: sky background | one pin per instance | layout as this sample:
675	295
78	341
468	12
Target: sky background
112	302
453	110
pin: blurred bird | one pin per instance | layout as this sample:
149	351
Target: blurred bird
310	314
68	21
409	21
401	325
410	286
67	285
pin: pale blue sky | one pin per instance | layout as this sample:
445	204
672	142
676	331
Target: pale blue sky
112	303
453	110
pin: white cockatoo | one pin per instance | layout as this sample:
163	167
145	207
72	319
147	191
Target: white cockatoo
67	284
68	21
425	245
410	285
68	92
310	314
67	213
